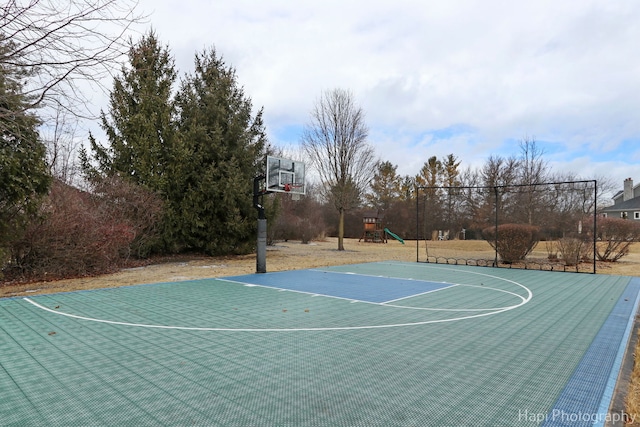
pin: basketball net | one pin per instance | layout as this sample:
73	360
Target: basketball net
294	196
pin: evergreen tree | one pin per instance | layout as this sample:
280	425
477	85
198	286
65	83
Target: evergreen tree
142	145
385	186
407	188
453	201
225	144
199	150
24	175
450	171
431	177
430	173
139	121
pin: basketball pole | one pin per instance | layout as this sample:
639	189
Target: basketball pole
261	250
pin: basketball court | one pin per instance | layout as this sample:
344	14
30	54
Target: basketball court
379	344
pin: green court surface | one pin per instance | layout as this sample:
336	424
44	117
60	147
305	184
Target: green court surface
380	344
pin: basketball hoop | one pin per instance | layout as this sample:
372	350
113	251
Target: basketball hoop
284	176
294	190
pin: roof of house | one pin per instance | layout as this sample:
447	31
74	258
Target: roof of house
632	204
372	214
621	205
620	194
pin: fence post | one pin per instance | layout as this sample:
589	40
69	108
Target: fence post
495	260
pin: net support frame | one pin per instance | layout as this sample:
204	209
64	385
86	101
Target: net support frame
588	184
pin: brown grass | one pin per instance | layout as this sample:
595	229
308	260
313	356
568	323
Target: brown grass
283	256
633	393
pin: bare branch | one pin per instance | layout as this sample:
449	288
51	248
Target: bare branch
336	142
59	45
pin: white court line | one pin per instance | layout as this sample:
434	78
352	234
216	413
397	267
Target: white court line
451	285
335	328
387	303
351	273
313	294
463	309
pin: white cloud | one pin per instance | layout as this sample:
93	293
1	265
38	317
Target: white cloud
564	72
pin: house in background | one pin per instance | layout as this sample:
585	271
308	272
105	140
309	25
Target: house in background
626	203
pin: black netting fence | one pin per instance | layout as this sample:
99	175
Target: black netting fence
546	226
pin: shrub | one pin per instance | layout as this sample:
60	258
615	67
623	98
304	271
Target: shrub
552	250
78	233
571	250
615	236
514	241
128	203
587	250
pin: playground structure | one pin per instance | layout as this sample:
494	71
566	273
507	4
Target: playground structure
374	230
395	236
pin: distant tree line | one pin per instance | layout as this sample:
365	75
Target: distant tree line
450	207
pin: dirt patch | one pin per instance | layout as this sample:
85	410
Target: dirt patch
289	256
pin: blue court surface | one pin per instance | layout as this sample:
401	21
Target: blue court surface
344	285
378	344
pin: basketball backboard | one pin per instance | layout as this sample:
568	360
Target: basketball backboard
285	176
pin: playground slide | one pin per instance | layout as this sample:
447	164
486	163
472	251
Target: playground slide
395	236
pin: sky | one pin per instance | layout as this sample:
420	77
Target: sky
463	77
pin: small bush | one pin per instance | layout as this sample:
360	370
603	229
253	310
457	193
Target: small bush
571	250
587	250
514	241
615	236
552	250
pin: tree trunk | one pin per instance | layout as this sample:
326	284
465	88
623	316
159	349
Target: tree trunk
341	231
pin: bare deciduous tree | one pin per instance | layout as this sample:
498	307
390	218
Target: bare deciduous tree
59	44
336	142
533	169
62	147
